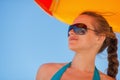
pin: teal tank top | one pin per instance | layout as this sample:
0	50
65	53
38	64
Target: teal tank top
58	75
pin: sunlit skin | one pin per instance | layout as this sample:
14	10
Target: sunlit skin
85	48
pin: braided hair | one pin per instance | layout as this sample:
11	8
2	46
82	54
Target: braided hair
102	27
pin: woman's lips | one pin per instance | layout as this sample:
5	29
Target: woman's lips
72	38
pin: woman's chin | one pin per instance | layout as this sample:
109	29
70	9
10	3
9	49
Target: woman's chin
72	48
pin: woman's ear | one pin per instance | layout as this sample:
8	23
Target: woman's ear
101	38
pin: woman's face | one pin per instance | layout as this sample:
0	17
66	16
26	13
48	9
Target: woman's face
87	41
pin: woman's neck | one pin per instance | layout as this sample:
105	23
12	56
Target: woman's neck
84	62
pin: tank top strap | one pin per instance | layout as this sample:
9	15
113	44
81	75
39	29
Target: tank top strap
96	75
59	74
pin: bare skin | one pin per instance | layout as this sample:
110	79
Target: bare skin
85	48
46	72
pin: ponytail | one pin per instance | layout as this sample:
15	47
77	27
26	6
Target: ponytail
112	57
111	44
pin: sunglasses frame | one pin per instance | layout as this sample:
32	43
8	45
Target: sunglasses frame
79	28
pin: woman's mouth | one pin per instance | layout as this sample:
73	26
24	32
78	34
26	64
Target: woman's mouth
72	38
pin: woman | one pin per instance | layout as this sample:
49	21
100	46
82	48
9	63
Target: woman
89	35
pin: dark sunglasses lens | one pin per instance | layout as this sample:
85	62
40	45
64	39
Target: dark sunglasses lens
79	29
70	28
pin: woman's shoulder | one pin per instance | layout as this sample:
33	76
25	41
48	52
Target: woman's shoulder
105	77
47	70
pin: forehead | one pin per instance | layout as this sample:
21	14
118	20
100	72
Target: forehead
88	20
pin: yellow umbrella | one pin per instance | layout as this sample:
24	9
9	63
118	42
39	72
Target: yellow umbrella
67	10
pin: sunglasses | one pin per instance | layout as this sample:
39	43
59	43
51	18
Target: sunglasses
79	28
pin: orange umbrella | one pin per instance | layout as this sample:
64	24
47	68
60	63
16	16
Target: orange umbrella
67	10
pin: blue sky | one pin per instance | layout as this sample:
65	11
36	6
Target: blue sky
29	38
